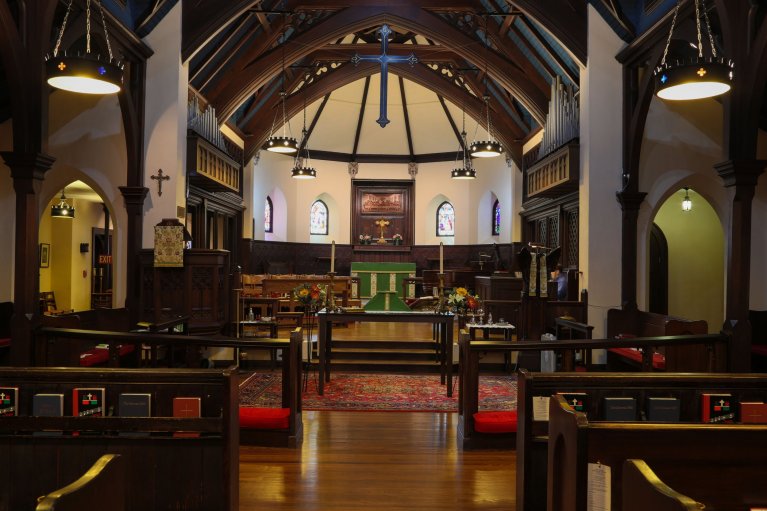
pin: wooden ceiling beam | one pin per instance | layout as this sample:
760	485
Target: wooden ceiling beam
201	21
360	118
550	51
408	133
204	65
452	122
239	85
564	20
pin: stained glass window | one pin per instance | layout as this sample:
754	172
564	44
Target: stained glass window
445	220
318	218
496	219
268	214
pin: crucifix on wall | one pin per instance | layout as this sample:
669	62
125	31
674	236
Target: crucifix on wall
382	224
159	178
384	59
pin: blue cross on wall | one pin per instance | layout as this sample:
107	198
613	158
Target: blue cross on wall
384	59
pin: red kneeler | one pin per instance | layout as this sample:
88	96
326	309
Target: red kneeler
264	418
495	422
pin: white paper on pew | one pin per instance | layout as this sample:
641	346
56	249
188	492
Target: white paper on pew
541	408
598	496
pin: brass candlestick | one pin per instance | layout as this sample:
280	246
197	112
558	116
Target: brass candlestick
441	301
330	302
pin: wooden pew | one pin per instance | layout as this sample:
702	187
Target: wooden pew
162	471
721	464
758	320
101	487
643	490
292	435
533	435
648	324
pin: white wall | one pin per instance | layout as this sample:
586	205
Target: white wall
165	123
601	168
333	184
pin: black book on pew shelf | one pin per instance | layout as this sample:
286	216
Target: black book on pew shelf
577	400
48	405
716	408
134	405
9	401
620	409
663	409
88	402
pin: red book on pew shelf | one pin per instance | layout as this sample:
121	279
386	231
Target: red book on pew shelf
9	399
716	408
88	402
753	412
189	407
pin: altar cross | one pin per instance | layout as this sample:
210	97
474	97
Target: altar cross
384	59
160	178
382	224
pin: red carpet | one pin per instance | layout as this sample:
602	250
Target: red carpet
380	392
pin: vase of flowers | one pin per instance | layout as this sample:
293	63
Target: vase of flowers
462	303
366	239
397	239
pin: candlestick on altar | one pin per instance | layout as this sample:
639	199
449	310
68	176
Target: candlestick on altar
332	256
441	268
330	300
441	302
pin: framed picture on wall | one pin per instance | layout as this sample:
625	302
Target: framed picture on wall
45	255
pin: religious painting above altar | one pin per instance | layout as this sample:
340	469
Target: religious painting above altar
382	212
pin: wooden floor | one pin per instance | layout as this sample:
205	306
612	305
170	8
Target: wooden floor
377	460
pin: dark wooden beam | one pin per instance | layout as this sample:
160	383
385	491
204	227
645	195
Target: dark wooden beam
313	124
407	117
360	117
383	158
549	50
452	122
195	73
533	51
200	21
565	20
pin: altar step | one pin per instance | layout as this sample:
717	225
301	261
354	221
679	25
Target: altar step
385	356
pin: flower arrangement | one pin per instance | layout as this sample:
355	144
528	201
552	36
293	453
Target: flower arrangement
365	239
461	302
397	237
310	295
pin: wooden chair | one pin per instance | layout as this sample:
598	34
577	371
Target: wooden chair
48	304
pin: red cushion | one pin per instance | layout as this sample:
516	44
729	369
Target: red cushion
5	342
658	360
97	356
495	422
756	349
264	418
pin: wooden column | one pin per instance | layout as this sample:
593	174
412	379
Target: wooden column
28	171
742	176
134	197
630	202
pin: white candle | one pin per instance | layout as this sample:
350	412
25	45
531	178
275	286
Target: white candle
333	256
441	247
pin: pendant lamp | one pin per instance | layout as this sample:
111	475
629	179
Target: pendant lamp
86	73
467	170
63	209
282	144
696	76
303	169
686	202
490	147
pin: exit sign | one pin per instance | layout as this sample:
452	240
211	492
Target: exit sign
105	259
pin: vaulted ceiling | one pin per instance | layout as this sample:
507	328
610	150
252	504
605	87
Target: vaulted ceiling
509	51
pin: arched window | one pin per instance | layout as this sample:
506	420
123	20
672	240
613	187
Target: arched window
268	215
496	218
445	220
318	218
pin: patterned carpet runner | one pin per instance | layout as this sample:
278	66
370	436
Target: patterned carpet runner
379	392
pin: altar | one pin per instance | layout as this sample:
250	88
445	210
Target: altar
375	277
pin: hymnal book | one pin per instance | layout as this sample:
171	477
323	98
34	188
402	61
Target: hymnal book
620	409
753	412
134	405
663	409
577	400
716	408
186	407
9	401
88	402
48	405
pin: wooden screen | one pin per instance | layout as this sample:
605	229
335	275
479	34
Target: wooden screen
390	201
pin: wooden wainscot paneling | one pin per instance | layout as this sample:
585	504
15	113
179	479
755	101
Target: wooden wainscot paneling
555	174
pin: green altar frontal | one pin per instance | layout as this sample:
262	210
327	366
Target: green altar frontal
376	277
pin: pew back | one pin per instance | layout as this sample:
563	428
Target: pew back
721	464
162	471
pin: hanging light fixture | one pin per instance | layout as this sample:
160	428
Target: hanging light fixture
695	76
303	169
282	144
85	73
63	209
686	202
490	147
467	171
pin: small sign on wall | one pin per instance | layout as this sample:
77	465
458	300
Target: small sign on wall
105	259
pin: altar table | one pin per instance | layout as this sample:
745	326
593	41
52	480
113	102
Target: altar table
444	323
375	277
